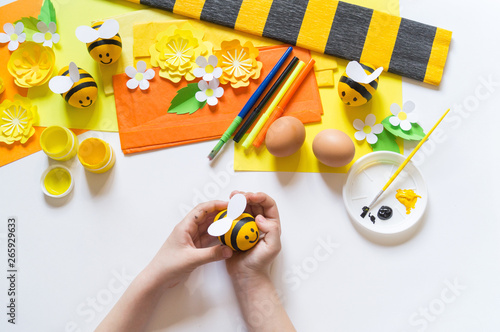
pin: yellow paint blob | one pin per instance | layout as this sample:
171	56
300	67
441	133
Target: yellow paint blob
57	181
408	198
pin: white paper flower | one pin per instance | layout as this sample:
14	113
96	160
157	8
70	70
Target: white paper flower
47	34
208	69
367	129
13	35
210	92
403	118
139	77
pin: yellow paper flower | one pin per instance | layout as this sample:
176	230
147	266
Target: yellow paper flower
31	64
176	50
16	120
239	63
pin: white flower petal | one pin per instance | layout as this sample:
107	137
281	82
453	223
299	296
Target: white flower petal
405	125
202	85
141	66
8	28
56	38
378	128
217	72
18	29
412	117
4	38
199	72
52	27
395	109
394	120
212	101
360	135
201	61
200	96
370	120
219	92
213	84
144	84
408	106
38	37
21	38
358	124
132	83
212	60
149	74
42	27
371	138
208	77
48	43
13	45
130	71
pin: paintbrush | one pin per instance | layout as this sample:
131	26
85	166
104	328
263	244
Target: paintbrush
367	208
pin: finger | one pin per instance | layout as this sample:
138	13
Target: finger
211	254
199	213
207	240
268	205
271	230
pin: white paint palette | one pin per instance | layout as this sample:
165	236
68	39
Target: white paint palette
367	177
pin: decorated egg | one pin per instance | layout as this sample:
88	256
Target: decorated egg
103	40
285	136
333	148
75	85
243	234
358	84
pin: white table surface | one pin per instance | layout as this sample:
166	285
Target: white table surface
77	255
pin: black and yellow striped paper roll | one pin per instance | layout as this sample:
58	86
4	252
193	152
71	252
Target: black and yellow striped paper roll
352	32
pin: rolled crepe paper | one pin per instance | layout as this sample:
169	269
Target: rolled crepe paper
352	32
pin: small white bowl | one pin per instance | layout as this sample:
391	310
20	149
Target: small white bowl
46	172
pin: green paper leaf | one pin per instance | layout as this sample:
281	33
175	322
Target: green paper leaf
386	142
416	133
185	100
29	26
47	12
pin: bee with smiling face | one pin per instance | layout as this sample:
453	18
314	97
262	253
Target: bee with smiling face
243	234
358	83
75	85
103	41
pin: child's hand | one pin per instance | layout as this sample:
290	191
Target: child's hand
189	246
256	262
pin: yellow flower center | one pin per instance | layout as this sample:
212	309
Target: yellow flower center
209	69
209	92
139	76
402	116
13	37
48	36
367	129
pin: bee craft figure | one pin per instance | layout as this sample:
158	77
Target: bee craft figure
75	85
103	41
242	235
358	83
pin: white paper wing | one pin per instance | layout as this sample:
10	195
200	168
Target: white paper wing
356	72
74	74
86	34
60	84
373	76
220	227
109	29
236	206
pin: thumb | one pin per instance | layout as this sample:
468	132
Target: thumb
212	254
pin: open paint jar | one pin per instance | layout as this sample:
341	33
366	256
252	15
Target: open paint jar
367	177
96	155
59	143
57	181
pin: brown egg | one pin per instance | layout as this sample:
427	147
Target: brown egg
285	136
333	148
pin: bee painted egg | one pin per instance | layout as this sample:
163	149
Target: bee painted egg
244	233
105	51
353	93
83	93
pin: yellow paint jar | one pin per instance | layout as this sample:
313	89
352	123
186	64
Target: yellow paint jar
59	143
96	155
57	181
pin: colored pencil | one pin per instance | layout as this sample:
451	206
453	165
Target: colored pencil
248	106
251	118
282	105
262	121
367	208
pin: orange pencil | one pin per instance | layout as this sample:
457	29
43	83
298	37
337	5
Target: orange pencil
281	106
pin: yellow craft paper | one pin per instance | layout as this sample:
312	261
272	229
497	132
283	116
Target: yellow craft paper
336	115
52	108
325	78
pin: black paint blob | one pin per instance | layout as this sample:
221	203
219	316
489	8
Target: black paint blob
372	218
365	211
384	213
